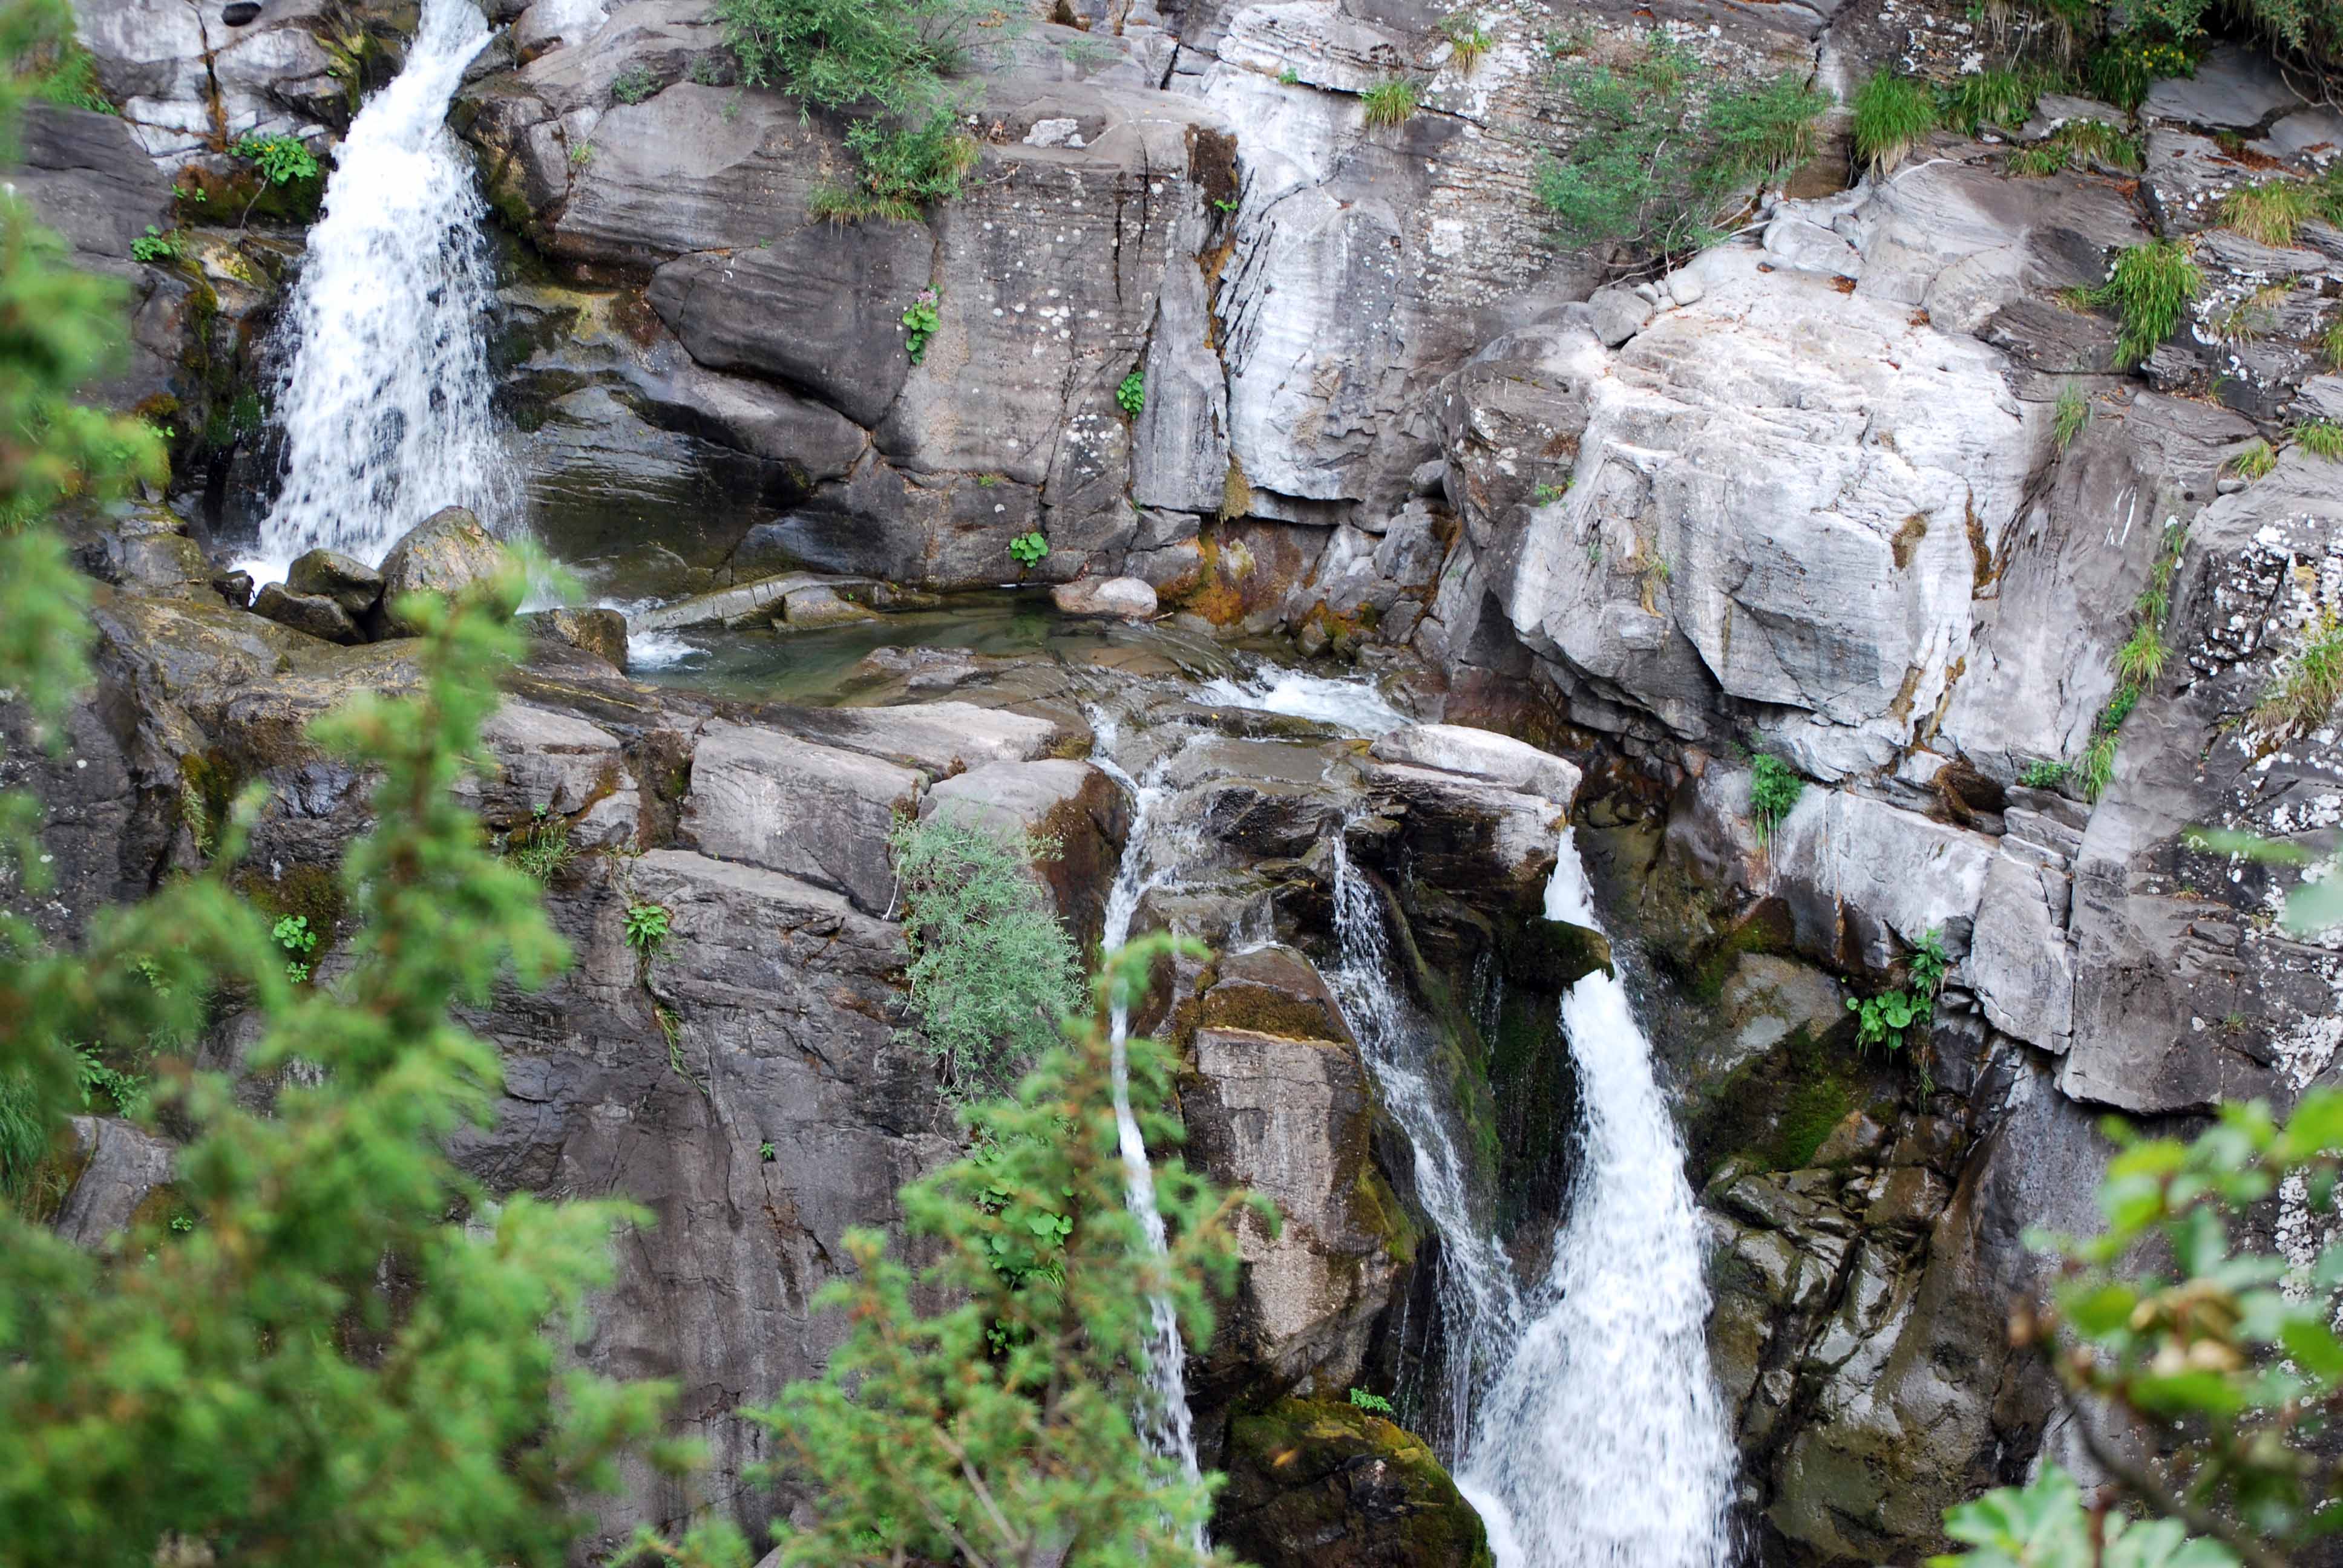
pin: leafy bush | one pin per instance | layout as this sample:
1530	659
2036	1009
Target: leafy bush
1389	102
1887	1019
2043	773
1773	790
633	84
992	968
2217	1361
281	160
155	246
1892	111
647	928
1131	397
886	61
1670	150
921	319
2122	70
2150	287
1372	1403
293	934
1031	549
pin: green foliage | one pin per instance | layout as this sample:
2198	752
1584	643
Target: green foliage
1372	1403
581	156
2305	694
998	1429
2320	437
2138	662
634	83
25	1129
1469	43
128	1091
2073	413
2255	462
1669	150
2141	657
1030	549
1131	397
887	63
2045	774
2002	98
281	160
921	319
1887	1019
2122	70
765	1152
2219	1359
1392	101
2150	287
297	1414
292	933
2076	143
1288	77
646	928
543	848
993	969
1547	495
60	71
1774	788
155	246
1891	111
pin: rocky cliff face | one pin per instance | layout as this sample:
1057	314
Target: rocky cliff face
1813	493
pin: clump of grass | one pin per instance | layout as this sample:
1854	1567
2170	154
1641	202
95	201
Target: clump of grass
2150	288
1892	112
2254	462
1469	43
543	848
2330	342
2073	413
2075	144
2270	211
2306	694
2141	657
1389	102
2003	98
633	84
2138	662
2320	438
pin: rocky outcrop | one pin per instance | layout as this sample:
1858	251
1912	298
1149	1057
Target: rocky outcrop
1321	1482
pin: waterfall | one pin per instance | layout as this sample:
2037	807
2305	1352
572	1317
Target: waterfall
1165	1419
384	396
1604	1443
1480	1303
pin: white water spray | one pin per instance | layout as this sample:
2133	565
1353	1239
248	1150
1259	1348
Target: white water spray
1354	707
384	396
1604	1443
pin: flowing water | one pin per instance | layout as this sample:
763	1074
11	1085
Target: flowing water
1602	1444
385	394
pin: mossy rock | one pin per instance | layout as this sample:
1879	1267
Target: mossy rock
1320	1483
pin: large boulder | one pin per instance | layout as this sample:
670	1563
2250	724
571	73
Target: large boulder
1319	1484
444	554
346	580
1074	804
820	814
317	615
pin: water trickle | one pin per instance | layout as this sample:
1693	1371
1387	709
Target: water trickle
1354	707
385	394
1604	1443
1148	859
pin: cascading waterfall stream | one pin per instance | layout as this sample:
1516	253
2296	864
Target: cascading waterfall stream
1604	1443
1166	1421
384	396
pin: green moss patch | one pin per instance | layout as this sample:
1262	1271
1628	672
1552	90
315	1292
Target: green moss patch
1321	1484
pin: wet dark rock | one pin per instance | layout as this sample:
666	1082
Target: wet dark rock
597	630
235	587
240	13
348	581
444	554
315	615
1314	1484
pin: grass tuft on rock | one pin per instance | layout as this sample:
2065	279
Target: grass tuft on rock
2005	98
1389	102
2074	412
2320	438
2271	212
2305	695
2074	145
1892	112
2150	288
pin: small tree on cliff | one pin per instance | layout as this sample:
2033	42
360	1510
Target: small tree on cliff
997	1433
230	1383
2205	1381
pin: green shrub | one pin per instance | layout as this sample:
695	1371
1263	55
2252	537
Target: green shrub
2074	412
1774	788
1389	102
2122	70
1372	1403
886	61
543	848
1131	397
1889	1019
646	928
1669	151
281	160
2150	288
993	969
2255	461
2320	438
2045	774
155	246
921	319
1029	549
65	75
293	934
2075	144
633	84
2271	211
1468	40
1891	111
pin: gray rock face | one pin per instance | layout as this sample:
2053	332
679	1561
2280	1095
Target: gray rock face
348	582
123	1167
1482	754
187	82
822	815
